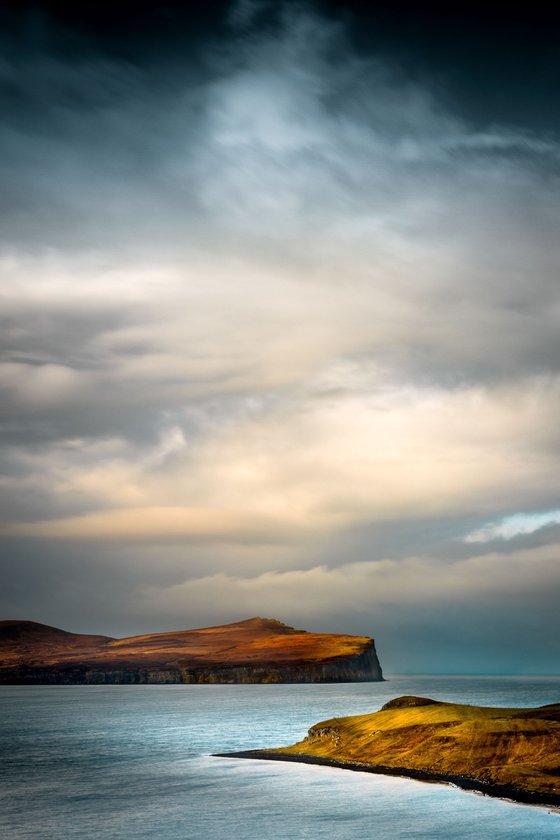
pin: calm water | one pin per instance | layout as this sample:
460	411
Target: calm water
134	762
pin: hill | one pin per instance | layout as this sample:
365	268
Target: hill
255	650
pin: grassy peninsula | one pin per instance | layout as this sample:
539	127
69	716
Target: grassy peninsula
512	753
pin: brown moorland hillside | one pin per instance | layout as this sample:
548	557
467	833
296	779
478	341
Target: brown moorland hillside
255	650
513	753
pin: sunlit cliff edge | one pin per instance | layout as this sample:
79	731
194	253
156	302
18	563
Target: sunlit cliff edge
258	650
509	753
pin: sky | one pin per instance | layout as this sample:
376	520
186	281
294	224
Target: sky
280	322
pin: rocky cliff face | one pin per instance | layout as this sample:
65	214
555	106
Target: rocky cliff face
253	651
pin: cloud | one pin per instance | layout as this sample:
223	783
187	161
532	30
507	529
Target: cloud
512	526
159	524
333	460
383	583
273	295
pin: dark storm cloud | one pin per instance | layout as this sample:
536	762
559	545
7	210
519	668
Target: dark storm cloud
271	149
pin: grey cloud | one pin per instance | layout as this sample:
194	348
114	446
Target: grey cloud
278	152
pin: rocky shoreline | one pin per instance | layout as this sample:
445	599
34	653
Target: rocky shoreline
508	753
464	782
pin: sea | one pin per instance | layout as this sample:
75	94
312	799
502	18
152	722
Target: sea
125	762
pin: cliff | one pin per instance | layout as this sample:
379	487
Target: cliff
259	650
511	753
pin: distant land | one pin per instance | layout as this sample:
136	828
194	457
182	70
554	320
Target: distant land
258	650
508	753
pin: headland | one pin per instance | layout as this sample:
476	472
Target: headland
258	650
508	753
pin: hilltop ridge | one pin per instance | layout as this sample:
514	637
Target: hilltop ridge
253	650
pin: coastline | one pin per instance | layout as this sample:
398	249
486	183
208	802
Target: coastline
497	791
253	651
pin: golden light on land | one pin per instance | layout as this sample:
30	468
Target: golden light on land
511	747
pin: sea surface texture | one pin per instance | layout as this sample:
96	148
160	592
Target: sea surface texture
122	761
